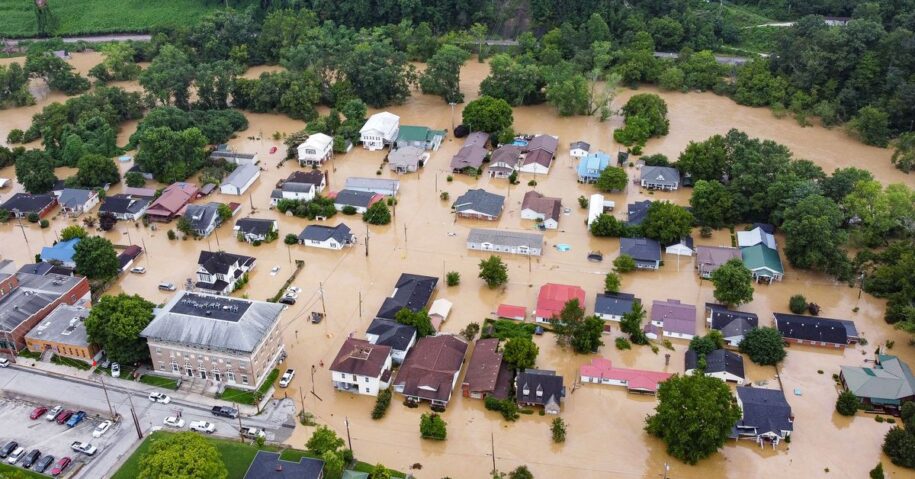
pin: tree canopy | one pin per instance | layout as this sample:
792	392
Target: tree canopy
667	222
520	352
95	258
733	283
185	454
764	346
493	271
115	323
488	114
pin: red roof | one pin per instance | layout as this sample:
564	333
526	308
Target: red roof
636	379
511	312
554	296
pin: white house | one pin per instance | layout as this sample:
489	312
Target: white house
317	149
293	191
543	209
361	367
579	149
255	229
217	273
327	237
380	130
597	206
720	363
400	337
683	248
74	201
240	179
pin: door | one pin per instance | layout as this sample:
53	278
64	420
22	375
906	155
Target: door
203	374
217	377
190	372
230	377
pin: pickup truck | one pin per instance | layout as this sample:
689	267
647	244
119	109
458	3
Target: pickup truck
203	426
83	447
252	433
225	411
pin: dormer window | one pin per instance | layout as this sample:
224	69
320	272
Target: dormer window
539	391
526	390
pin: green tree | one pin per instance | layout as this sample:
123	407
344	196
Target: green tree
694	416
96	171
35	171
520	472
423	43
612	179
379	472
904	156
814	235
847	404
432	426
443	74
907	413
573	329
73	231
872	126
712	204
650	107
119	64
453	278
185	454
764	345
487	114
706	160
418	319
516	82
631	323
324	439
377	214
115	323
168	77
493	271
672	79
667	222
612	282
899	445
624	263
877	472
58	74
520	352
569	95
378	73
703	345
733	283
224	212
333	464
558	430
171	155
214	83
797	304
633	134
843	181
95	258
702	70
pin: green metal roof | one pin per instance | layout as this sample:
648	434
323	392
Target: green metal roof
889	381
761	257
418	133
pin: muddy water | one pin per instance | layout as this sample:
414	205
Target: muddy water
605	437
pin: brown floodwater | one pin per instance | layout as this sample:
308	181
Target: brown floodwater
605	436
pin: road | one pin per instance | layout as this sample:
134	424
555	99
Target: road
721	59
39	386
115	37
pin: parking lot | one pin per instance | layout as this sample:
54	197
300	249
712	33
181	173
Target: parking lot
48	436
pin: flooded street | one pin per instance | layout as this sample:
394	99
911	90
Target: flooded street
605	436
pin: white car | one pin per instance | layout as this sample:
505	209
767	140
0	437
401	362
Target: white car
102	428
115	370
203	426
15	455
287	378
52	414
274	270
4	363
173	421
159	398
138	270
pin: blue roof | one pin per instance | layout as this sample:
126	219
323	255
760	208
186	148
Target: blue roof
593	164
62	251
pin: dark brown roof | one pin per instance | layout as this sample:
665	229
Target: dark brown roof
542	157
430	366
485	366
313	177
543	142
358	356
544	205
507	154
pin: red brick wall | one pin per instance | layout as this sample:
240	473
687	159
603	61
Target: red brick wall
71	297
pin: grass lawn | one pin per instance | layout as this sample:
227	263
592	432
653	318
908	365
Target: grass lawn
242	396
507	328
82	17
73	363
25	353
19	472
159	381
366	467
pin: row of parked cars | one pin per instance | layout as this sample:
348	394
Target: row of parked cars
59	414
14	454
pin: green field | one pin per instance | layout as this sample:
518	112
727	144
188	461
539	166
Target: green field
84	17
159	381
243	396
18	472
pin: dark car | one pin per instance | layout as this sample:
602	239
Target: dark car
30	458
44	463
225	411
38	412
64	416
76	418
287	300
60	466
8	448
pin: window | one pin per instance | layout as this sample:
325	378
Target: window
244	379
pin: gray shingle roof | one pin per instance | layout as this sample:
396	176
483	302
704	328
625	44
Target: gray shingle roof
641	249
717	361
122	204
242	175
185	320
481	201
766	410
254	226
73	197
341	233
354	198
660	175
637	212
505	238
731	323
391	333
201	216
616	304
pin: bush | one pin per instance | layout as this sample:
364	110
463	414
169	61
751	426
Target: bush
847	404
171	235
765	346
33	217
134	179
291	239
444	196
432	426
44	224
705	232
582	202
877	472
470	331
377	214
899	445
532	183
348	210
624	263
558	428
381	403
506	407
622	343
453	278
15	136
797	304
449	178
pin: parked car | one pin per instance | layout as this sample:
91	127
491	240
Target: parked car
83	447
115	370
7	449
159	397
287	378
102	428
272	150
52	414
62	464
29	459
138	270
4	363
252	433
44	463
64	416
287	300
166	286
15	455
203	426
76	418
38	412
225	411
173	421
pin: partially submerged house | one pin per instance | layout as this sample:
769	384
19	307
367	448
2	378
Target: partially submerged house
660	178
504	161
358	200
601	371
504	241
538	154
421	137
407	159
127	257
315	150
508	311
720	363
361	367
380	130
684	247
763	262
125	207
238	182
646	252
218	273
733	325
479	204
825	332
756	236
591	166
543	209
537	387
381	186
431	369
412	291
579	149
21	205
598	206
637	212
225	153
886	385
172	202
677	320
470	158
255	229
293	191
203	218
612	306
327	237
309	177
399	337
766	415
76	201
710	258
487	374
61	253
553	297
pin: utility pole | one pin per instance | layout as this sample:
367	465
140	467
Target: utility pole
452	116
133	414
323	307
145	251
492	445
216	235
312	383
666	471
101	379
366	240
22	228
240	429
349	439
289	253
360	304
404	237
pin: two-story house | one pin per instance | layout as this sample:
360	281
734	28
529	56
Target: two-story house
361	367
217	273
